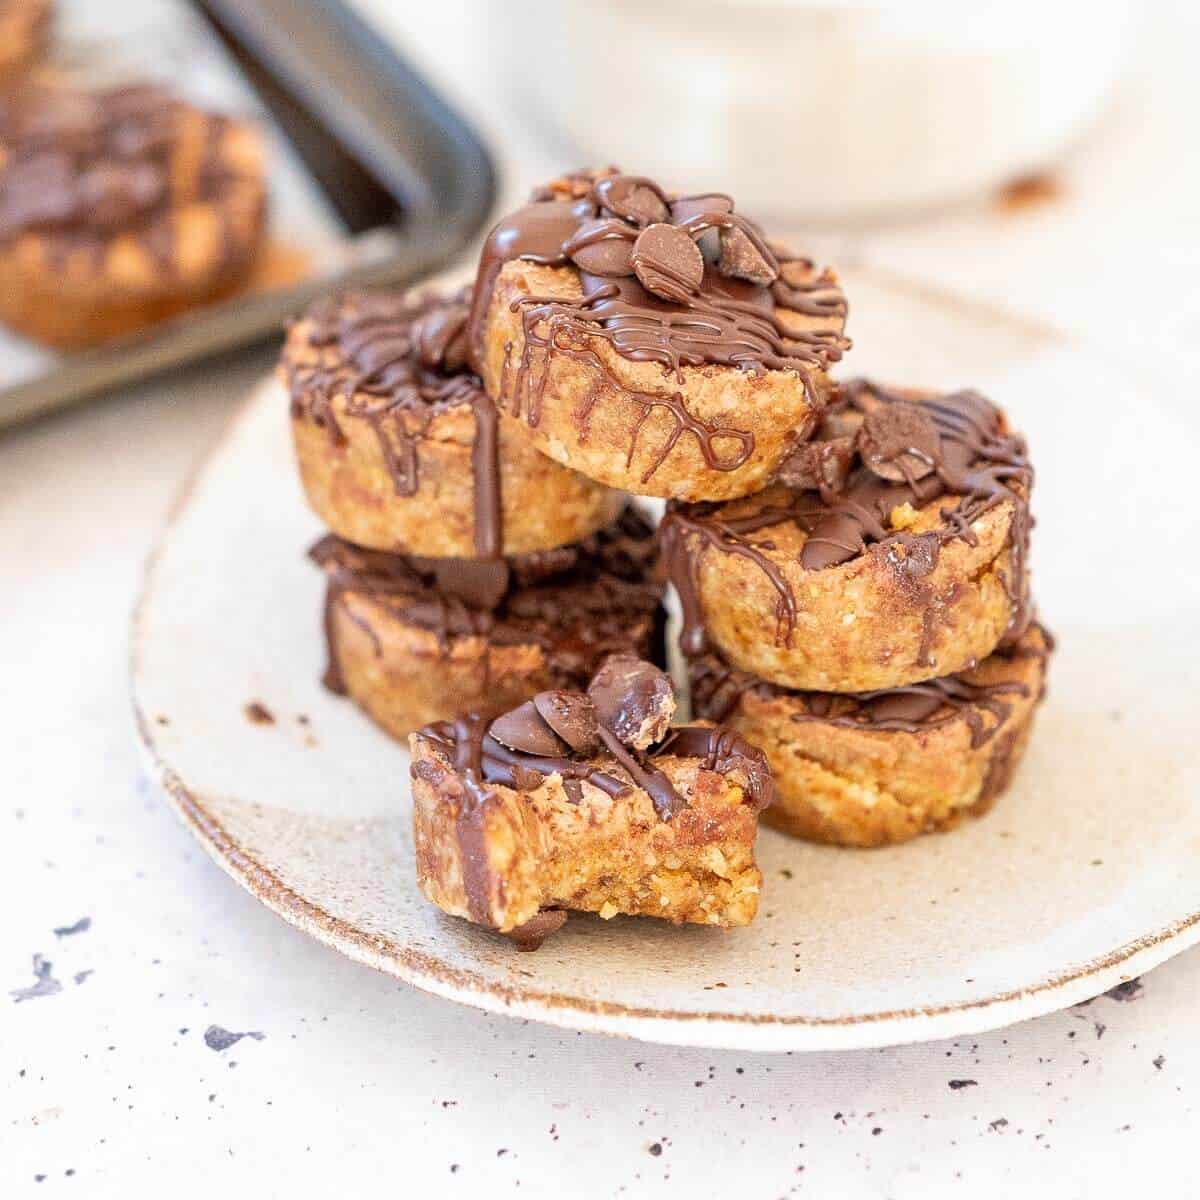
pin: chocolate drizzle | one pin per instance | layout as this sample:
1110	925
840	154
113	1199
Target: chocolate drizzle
481	760
666	800
565	735
468	762
579	603
396	361
682	563
717	691
651	301
86	167
897	454
723	750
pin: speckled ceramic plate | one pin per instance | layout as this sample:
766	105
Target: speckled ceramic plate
1086	873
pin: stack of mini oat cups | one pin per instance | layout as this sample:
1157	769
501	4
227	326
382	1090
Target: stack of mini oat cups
465	570
851	560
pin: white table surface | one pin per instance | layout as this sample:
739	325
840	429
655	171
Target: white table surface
361	1086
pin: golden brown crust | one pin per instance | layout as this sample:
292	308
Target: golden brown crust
586	422
874	787
403	676
409	655
71	293
77	311
868	623
350	487
501	861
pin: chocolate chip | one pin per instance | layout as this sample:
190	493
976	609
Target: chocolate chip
667	262
814	465
633	699
899	442
743	256
686	207
524	730
602	247
440	337
837	539
572	716
636	200
836	422
911	706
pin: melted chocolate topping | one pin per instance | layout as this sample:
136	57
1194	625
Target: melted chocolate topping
87	166
481	759
398	361
722	750
579	603
633	699
657	288
718	688
899	452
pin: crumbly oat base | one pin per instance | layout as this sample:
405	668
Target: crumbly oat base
79	311
500	862
871	787
772	406
73	296
865	624
349	486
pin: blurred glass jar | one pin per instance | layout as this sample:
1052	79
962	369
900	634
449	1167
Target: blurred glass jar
827	112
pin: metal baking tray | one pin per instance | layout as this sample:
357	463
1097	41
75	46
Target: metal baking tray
405	182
